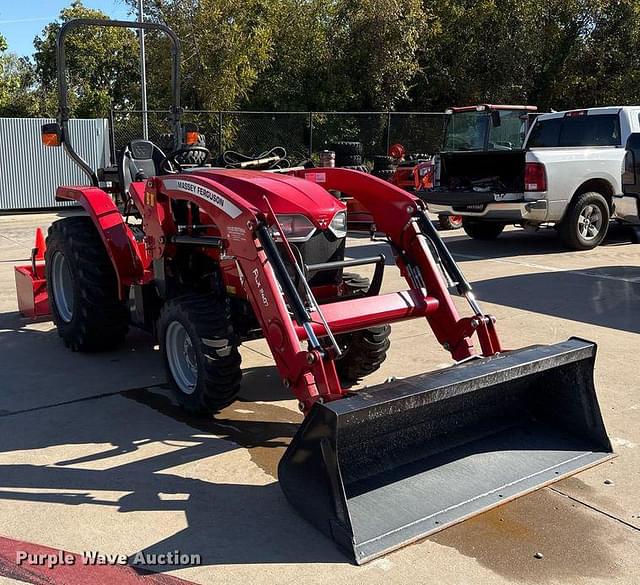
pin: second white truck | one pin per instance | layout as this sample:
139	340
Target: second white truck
568	174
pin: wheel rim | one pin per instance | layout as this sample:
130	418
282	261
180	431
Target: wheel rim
62	286
590	222
181	357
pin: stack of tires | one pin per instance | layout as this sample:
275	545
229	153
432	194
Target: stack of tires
193	157
383	167
349	155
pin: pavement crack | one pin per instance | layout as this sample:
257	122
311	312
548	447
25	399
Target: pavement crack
74	401
592	507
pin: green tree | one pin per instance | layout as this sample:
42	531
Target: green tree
225	46
18	96
378	43
502	51
606	69
102	65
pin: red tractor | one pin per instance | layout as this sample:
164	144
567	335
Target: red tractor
415	173
208	258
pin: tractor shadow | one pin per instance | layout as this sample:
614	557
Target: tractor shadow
518	242
101	443
512	243
33	361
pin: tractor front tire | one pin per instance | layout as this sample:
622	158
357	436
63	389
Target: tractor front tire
200	352
363	352
83	287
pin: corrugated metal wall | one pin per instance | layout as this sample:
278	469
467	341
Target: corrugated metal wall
30	172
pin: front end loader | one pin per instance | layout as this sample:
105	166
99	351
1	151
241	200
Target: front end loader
207	258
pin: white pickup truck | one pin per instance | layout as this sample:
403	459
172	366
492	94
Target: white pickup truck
568	174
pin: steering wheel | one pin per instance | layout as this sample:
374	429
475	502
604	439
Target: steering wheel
170	165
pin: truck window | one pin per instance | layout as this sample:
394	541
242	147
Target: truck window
594	130
600	130
545	133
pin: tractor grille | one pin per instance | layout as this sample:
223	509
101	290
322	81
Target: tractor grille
322	246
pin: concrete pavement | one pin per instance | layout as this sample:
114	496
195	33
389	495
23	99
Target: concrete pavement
94	455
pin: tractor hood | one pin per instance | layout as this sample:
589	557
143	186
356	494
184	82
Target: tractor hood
286	194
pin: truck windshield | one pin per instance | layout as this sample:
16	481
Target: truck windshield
480	130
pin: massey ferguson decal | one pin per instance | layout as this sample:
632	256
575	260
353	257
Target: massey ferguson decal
209	194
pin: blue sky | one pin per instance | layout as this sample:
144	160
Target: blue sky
22	20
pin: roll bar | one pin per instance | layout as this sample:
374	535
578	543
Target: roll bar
63	90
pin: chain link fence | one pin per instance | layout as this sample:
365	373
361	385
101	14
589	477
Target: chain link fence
301	133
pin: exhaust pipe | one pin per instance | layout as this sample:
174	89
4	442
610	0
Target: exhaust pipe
397	462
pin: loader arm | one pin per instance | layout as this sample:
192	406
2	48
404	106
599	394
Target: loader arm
416	245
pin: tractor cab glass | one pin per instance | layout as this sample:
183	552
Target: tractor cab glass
485	130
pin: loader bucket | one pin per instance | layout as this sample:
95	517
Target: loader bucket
397	462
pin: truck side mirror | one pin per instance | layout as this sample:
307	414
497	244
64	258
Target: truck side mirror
51	134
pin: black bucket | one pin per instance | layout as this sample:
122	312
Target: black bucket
397	462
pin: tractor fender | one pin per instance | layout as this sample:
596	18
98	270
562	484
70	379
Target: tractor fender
118	240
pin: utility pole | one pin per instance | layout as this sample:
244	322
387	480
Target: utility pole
143	74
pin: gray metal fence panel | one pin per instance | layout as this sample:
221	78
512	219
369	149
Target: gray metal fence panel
30	172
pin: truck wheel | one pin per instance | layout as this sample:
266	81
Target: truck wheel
82	287
586	222
200	352
482	230
363	353
449	222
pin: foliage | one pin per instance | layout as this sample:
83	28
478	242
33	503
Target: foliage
344	55
102	65
225	47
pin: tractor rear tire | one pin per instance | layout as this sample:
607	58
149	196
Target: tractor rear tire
363	352
191	157
482	230
200	352
82	287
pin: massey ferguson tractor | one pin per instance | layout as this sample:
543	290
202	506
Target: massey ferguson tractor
208	258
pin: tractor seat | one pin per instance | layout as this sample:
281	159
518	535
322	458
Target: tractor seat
141	160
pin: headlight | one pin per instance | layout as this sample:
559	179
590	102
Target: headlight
338	224
296	228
